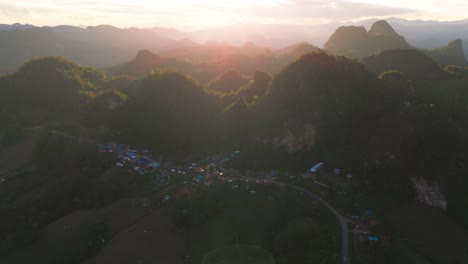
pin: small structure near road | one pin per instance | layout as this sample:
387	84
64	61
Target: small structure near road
317	167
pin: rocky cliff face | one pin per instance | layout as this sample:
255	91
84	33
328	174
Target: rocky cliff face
304	140
428	192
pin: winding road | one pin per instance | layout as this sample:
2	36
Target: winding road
341	219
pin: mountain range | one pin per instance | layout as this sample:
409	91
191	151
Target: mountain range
357	42
104	46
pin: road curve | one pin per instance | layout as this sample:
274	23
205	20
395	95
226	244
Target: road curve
344	226
341	219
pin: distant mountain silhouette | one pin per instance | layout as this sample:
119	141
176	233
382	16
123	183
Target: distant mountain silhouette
430	34
103	46
382	27
297	50
144	62
356	42
16	26
205	63
99	46
229	81
212	51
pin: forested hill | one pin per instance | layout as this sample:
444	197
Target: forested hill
451	54
416	65
47	89
144	62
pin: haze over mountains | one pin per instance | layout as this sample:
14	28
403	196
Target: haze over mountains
357	42
129	149
93	45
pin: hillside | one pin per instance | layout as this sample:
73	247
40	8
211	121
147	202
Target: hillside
229	81
144	62
31	93
316	96
181	114
100	46
296	50
257	87
416	65
452	54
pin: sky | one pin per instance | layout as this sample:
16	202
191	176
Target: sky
199	14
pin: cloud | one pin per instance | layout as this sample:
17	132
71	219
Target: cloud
11	11
189	13
331	10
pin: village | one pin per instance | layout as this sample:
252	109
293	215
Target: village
330	183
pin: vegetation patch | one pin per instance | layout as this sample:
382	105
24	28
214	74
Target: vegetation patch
239	254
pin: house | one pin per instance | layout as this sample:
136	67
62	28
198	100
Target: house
317	167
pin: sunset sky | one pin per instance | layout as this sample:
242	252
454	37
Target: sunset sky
197	14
